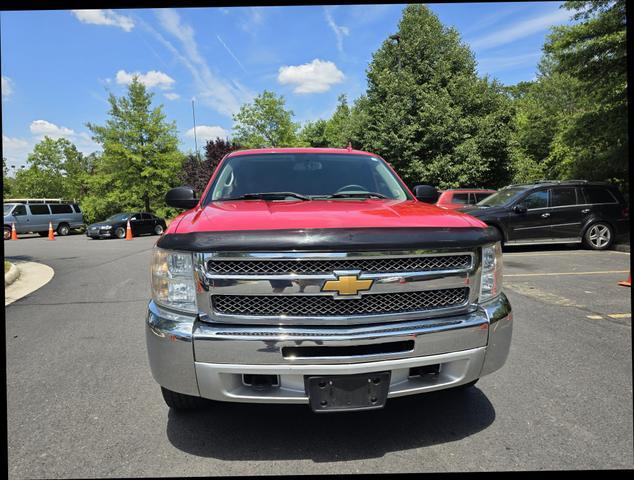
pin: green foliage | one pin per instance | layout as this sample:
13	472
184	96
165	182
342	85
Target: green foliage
428	112
55	168
592	140
265	123
140	156
7	181
313	134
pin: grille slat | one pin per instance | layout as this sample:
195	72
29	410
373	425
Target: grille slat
326	306
366	265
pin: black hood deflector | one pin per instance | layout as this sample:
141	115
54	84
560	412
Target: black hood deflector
332	239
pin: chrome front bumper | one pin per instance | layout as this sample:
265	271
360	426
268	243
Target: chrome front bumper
209	360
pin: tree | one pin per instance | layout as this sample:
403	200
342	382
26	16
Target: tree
592	142
427	112
140	155
265	123
55	168
7	181
196	172
337	130
313	134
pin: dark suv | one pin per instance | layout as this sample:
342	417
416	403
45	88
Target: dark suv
594	213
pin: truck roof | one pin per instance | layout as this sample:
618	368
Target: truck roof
322	151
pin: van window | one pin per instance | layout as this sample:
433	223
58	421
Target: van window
61	208
19	210
598	195
76	207
560	197
39	209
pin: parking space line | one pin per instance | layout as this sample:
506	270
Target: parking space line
595	317
605	272
620	315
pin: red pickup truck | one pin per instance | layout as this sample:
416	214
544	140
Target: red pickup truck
315	276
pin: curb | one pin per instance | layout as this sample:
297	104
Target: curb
12	275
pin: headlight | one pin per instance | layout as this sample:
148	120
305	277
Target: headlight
107	227
173	280
491	279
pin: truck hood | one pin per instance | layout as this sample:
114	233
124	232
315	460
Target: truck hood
244	215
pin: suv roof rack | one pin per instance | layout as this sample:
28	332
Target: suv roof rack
35	200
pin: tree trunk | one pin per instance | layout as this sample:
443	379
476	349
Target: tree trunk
146	201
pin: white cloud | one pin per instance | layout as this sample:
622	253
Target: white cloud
150	79
43	128
252	19
314	77
104	17
340	31
207	132
520	30
225	97
7	87
15	150
172	96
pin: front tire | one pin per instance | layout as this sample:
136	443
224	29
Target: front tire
598	236
120	232
180	401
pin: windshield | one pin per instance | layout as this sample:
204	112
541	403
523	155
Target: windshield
119	217
305	176
8	207
501	197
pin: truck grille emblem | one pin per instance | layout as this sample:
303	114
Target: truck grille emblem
347	285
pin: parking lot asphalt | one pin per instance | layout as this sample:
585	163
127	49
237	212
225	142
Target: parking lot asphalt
82	401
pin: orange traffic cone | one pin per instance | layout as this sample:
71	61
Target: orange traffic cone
51	235
128	232
628	282
14	233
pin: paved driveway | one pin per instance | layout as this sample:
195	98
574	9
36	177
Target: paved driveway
82	402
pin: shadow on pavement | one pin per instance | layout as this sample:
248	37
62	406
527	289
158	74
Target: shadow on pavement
232	431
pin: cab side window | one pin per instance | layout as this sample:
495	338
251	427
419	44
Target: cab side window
39	210
19	210
560	197
462	198
538	199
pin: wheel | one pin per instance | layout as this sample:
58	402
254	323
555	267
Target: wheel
7	232
598	236
43	234
158	230
180	401
63	229
120	232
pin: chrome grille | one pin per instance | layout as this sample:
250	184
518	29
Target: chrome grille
326	306
366	265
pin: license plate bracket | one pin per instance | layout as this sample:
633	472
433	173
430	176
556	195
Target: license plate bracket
366	391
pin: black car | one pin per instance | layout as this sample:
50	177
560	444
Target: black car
594	213
115	226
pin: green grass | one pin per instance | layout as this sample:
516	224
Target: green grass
7	266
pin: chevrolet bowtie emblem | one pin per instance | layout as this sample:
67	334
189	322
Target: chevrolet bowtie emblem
347	285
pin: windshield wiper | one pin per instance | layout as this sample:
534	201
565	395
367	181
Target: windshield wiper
356	195
269	196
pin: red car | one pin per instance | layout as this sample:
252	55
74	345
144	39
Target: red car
458	198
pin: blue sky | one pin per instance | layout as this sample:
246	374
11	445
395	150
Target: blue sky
58	66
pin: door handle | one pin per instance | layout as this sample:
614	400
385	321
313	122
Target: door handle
585	210
545	215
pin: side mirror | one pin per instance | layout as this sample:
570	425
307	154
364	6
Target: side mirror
181	197
519	208
426	193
